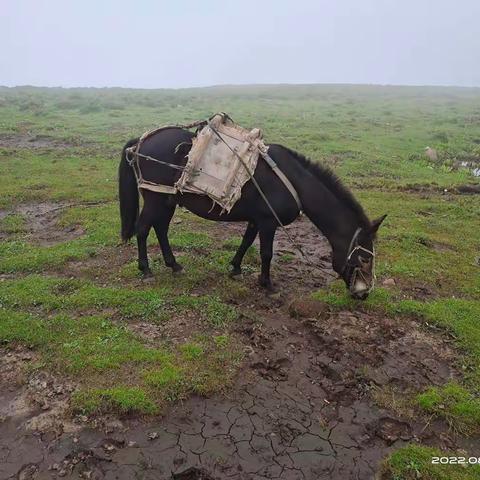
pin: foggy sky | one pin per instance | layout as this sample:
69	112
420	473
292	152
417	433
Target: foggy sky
182	43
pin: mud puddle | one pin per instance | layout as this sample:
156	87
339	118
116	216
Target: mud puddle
303	406
40	223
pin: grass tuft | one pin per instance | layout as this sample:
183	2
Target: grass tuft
121	400
454	403
414	462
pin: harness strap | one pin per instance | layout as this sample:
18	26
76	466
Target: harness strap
352	243
353	247
272	164
157	187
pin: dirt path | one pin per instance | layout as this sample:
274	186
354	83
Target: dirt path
303	406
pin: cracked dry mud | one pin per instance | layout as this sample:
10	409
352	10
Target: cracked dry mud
302	408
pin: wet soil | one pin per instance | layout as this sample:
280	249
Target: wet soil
303	406
30	140
41	223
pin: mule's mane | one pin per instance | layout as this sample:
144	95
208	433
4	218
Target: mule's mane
330	180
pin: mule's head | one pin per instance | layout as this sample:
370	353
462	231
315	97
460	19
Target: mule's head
356	264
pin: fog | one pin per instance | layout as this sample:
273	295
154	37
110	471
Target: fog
183	43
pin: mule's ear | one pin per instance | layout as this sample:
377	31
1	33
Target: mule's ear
376	224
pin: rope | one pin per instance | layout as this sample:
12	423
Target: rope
172	165
156	160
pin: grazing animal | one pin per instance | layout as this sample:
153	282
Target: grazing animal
325	201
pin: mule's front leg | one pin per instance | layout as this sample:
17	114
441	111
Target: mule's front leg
267	234
247	240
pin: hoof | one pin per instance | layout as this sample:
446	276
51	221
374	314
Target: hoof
266	284
176	268
147	277
274	293
236	273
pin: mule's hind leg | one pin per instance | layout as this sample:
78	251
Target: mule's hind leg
267	234
162	222
144	224
247	240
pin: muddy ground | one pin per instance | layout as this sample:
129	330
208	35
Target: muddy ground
40	225
318	396
26	139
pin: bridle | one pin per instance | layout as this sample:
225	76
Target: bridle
357	271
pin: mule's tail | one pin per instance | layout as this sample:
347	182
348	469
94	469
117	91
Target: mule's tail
128	195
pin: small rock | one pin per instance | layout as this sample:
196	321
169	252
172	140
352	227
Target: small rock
389	282
431	153
62	472
131	443
152	435
306	308
113	425
58	389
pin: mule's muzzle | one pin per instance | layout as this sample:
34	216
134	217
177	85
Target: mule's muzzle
359	289
361	295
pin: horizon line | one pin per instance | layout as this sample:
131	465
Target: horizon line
237	85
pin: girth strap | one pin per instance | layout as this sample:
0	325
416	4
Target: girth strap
272	164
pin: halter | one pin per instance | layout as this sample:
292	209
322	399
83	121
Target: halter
357	271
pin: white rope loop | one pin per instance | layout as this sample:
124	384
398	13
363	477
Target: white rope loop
357	271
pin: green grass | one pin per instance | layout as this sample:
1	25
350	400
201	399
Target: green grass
218	312
124	400
51	294
415	462
420	242
92	348
77	345
101	230
456	404
203	367
192	351
12	224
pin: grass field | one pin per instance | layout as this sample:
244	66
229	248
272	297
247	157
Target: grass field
72	301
